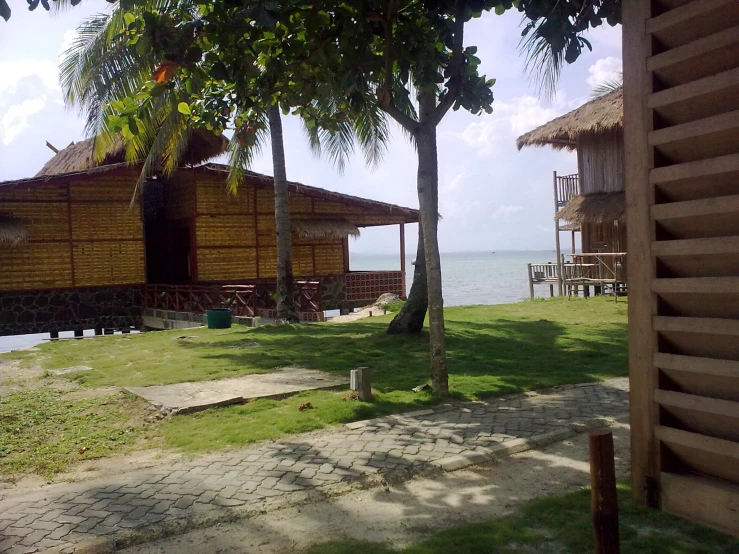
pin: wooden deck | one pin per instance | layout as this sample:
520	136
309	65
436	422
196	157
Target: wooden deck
604	271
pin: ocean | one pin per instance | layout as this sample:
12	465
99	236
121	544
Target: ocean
468	278
471	277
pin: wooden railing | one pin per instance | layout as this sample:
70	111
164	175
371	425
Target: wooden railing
367	286
567	187
595	266
244	300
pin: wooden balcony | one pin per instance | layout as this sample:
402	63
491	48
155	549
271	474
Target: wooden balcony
565	188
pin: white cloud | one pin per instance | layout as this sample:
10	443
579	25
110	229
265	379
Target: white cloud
505	210
14	72
509	120
605	69
16	117
69	37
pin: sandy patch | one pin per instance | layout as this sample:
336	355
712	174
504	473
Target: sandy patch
410	512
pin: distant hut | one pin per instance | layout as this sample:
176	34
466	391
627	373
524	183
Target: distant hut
592	200
74	253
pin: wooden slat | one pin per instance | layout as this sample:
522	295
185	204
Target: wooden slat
713	406
695	170
694	49
697	285
696	247
709	501
699	325
698	365
721	447
707	85
684	14
695	129
693	208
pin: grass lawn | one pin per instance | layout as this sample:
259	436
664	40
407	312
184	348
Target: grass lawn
492	350
558	525
44	432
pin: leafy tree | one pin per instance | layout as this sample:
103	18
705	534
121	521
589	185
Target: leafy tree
107	74
250	57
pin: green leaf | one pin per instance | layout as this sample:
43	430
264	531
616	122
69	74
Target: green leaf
184	108
129	18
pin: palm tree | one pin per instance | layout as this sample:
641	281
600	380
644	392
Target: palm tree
608	86
100	68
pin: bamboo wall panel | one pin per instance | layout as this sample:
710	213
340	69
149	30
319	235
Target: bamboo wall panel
266	231
234	230
227	264
43	192
267	262
34	266
114	187
303	261
300	204
108	263
682	166
214	197
265	201
109	221
42	220
600	160
329	259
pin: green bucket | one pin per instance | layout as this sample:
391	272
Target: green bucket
218	318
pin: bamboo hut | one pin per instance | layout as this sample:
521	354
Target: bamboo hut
75	255
592	200
681	129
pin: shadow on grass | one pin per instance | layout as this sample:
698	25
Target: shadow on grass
484	359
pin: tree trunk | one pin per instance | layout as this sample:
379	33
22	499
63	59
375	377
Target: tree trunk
413	313
285	300
428	201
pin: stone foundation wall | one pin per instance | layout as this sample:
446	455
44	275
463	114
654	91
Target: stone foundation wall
65	310
333	292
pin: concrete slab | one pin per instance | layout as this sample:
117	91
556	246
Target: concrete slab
183	398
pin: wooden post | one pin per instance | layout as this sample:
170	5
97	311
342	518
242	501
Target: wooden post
573	241
364	376
531	281
551	291
98	330
78	332
603	498
54	334
402	258
556	237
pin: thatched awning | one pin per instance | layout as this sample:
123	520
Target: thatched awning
595	208
323	228
202	146
12	231
604	113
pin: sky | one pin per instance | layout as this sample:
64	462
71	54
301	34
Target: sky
491	196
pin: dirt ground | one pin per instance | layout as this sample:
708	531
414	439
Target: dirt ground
404	514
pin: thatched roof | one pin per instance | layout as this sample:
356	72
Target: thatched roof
323	228
12	231
203	145
595	208
604	113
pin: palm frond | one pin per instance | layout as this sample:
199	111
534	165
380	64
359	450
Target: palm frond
608	86
241	152
543	61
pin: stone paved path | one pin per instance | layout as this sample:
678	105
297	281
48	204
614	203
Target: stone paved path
62	516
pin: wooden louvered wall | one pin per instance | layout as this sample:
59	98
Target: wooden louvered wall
681	105
81	232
